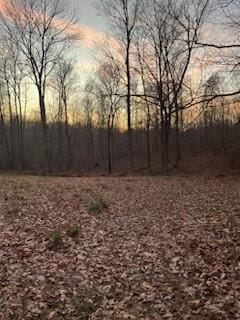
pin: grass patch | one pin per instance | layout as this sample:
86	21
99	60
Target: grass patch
73	231
98	205
55	239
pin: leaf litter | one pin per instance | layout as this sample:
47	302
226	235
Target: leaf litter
162	248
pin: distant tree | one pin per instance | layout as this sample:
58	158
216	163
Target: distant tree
108	92
6	78
89	103
63	82
169	31
123	15
39	28
141	52
3	126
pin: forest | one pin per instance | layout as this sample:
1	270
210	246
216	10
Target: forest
120	160
162	90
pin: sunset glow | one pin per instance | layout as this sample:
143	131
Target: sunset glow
88	35
119	159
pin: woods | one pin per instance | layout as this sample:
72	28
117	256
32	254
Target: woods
119	159
161	89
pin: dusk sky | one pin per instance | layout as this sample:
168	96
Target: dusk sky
119	159
88	15
92	25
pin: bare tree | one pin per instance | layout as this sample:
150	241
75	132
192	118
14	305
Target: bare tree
141	52
88	103
17	76
108	91
123	15
12	75
6	79
63	82
169	32
3	130
39	29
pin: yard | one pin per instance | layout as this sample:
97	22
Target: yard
119	248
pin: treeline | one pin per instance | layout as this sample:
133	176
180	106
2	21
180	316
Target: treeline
154	95
214	134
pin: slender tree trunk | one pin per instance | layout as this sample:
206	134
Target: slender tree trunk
12	149
46	145
60	136
109	151
21	128
156	131
206	132
178	146
129	118
148	118
68	136
4	133
17	121
148	143
223	134
165	133
91	145
163	145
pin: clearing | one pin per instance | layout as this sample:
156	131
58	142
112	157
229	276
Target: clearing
119	248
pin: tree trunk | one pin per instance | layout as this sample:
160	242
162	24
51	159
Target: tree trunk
68	136
21	128
129	122
109	151
178	146
60	137
148	143
18	133
12	149
46	146
165	132
91	145
3	126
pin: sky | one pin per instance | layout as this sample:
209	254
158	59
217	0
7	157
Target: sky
88	14
93	28
91	24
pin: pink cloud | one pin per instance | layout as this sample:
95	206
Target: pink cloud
86	34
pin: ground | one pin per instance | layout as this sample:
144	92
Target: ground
119	248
